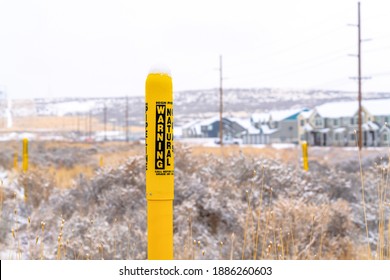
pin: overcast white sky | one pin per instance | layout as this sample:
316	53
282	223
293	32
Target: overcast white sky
53	48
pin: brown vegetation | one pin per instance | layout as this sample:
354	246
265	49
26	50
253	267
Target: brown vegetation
235	203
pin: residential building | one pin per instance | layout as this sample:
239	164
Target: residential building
209	128
282	125
380	116
330	124
336	123
253	135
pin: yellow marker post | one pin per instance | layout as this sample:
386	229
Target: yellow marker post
16	161
101	161
25	155
305	156
159	164
25	165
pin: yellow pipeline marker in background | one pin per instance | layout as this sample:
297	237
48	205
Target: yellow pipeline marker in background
25	155
101	161
159	164
16	161
305	156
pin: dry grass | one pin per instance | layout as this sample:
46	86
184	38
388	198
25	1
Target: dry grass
111	154
285	155
273	227
61	124
66	177
322	155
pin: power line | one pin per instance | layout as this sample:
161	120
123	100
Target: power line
302	66
311	62
386	48
313	38
324	21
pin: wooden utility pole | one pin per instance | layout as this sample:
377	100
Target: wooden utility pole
360	121
220	101
359	78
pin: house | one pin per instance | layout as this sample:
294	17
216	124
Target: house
336	123
191	129
282	125
384	134
330	124
254	135
209	128
380	112
333	124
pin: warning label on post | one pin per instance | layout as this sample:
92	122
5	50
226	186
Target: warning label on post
164	139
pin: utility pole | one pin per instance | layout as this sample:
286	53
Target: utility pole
220	102
127	118
359	82
359	78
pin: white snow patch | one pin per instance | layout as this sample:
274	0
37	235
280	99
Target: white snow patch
337	109
160	69
283	145
377	107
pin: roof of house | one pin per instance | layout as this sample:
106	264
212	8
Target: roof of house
260	117
337	109
266	130
370	126
279	115
196	125
306	114
286	114
377	107
190	124
246	123
384	128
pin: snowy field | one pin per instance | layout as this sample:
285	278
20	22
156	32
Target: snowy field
236	202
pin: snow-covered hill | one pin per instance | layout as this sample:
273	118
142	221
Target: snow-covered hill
190	104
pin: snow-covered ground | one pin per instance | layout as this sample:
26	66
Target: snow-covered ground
214	198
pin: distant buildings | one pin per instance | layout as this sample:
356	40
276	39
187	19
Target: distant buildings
330	124
273	127
281	126
209	128
336	123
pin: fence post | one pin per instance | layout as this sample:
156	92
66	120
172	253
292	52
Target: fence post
101	161
159	164
25	155
16	161
305	156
